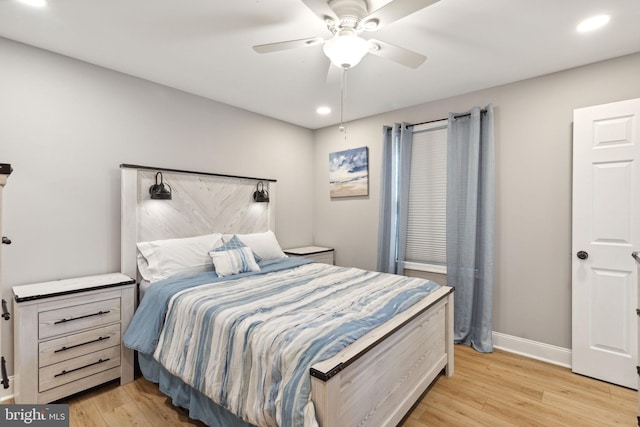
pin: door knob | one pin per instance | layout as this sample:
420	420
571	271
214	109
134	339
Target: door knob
582	255
6	240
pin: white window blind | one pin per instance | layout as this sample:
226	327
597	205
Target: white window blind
426	226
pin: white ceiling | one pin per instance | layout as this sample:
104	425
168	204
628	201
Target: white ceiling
205	47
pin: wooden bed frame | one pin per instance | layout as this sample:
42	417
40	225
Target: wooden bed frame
376	380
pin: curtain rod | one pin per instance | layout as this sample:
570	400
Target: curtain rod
483	111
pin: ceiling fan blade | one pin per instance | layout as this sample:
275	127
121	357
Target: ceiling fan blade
321	9
397	54
291	44
393	11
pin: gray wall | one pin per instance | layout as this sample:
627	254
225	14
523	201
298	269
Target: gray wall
533	120
66	126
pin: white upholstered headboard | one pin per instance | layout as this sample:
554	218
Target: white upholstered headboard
201	203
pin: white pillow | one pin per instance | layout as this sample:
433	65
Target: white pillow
265	245
177	257
234	261
143	266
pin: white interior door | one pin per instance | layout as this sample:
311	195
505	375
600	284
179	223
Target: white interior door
606	231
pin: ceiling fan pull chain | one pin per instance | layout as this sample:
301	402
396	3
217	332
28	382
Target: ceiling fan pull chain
343	94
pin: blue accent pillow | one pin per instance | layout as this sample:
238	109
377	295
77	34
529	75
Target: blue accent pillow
235	243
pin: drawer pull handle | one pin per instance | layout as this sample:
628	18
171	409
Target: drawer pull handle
5	312
81	367
81	317
65	348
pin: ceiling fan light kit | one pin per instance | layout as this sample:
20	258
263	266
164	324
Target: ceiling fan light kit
346	49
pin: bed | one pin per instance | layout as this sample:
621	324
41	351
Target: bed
367	365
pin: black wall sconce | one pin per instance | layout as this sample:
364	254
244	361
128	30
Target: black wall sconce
260	195
158	191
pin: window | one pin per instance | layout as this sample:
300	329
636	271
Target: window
426	247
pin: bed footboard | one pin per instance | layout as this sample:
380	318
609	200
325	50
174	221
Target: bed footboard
376	381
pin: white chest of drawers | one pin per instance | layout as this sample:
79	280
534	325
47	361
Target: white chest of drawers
67	336
316	253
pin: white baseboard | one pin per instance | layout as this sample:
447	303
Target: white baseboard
536	350
6	393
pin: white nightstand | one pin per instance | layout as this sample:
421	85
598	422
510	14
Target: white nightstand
67	336
316	253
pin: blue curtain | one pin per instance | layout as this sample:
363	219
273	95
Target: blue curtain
470	224
394	196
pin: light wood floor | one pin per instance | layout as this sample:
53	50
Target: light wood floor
498	389
504	389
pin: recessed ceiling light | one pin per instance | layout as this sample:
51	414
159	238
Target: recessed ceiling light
34	3
592	23
323	110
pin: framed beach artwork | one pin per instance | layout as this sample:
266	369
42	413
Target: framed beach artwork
349	173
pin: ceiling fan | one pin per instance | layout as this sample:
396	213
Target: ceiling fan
346	20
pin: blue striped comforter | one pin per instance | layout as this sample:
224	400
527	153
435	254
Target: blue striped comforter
248	344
